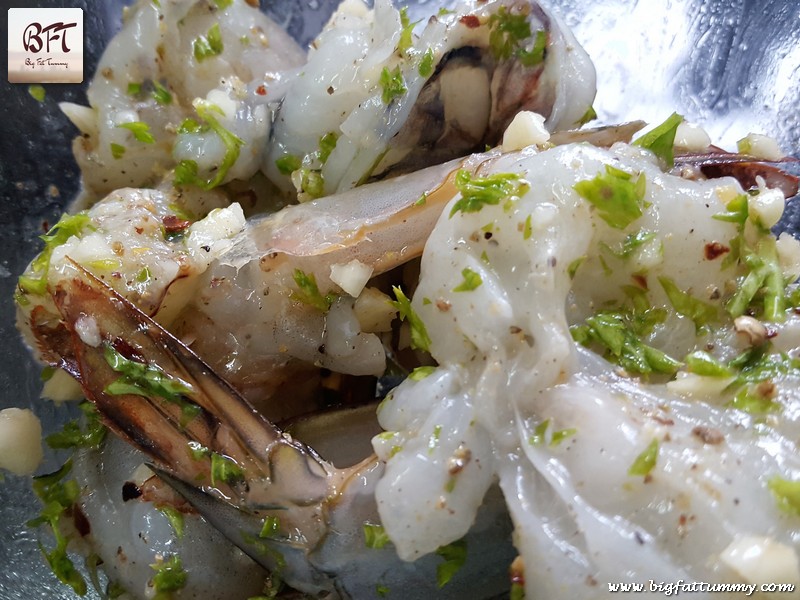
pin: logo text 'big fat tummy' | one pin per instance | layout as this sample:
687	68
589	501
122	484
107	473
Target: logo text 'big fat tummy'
45	45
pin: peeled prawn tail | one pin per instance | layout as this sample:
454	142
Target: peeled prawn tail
156	393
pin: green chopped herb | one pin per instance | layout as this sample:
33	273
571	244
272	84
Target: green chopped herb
425	68
632	242
189	125
327	143
140	131
134	89
312	183
701	313
208	45
702	363
392	84
382	590
787	493
477	192
170	576
406	40
419	334
308	292
471	281
47	373
198	451
589	115
161	94
444	12
749	400
433	441
527	230
736	211
223	4
645	462
375	536
73	436
143	379
534	56
288	163
117	150
454	555
271	528
764	276
187	172
422	199
517	591
484	258
37	92
538	436
661	139
244	40
561	435
617	198
744	145
58	495
144	275
506	32
421	373
175	518
67	226
224	469
614	332
757	365
575	265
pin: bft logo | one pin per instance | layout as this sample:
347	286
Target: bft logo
32	36
45	45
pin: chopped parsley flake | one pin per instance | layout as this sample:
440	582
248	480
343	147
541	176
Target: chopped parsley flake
288	163
170	576
223	4
477	192
701	313
175	518
161	94
749	400
589	115
208	45
224	469
142	379
454	555
421	373
312	183
646	461
471	281
327	143
615	332
375	536
573	267
308	292
186	172
392	84
538	436
534	56
37	92
189	125
406	39
764	277
425	68
67	226
527	230
661	139
506	32
632	243
561	435
787	493
382	590
433	441
617	198
271	528
702	363
140	131
73	436
117	150
134	89
419	334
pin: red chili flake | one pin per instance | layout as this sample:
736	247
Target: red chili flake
715	250
640	280
470	21
261	90
174	224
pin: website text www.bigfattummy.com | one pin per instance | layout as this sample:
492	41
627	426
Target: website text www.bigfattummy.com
673	588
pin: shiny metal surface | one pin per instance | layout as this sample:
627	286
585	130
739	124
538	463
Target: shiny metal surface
731	65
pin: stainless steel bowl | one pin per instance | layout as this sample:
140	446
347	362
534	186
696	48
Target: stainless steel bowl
732	66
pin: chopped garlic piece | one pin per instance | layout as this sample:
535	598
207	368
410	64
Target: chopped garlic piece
527	129
698	386
61	387
691	137
762	559
20	441
351	277
760	146
374	311
87	330
210	236
766	207
789	255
